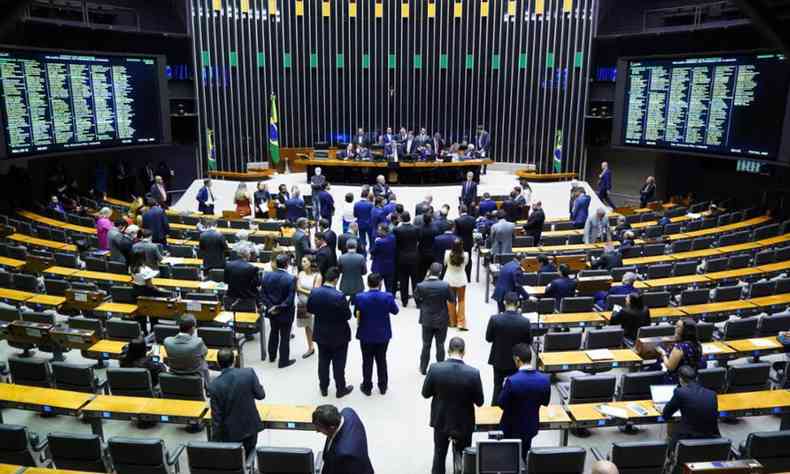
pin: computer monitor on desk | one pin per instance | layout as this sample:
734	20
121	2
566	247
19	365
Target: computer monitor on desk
499	456
661	395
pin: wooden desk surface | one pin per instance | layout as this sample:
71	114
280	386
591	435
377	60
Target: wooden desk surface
43	396
716	348
754	400
12	469
12	263
62	271
737	273
241	317
567	318
106	346
581	357
118	308
771	300
211	355
385	164
673	281
117	202
43	470
754	344
56	223
103	276
589	411
47	300
721	307
646	260
488	415
775	267
15	295
50	244
286	413
173	283
724	228
146	406
655	313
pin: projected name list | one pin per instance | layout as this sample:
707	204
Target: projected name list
61	102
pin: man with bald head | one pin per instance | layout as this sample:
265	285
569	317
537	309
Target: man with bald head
604	467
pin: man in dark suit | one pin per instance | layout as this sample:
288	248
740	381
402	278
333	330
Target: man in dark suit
469	190
504	331
432	296
647	192
482	141
212	246
346	448
381	188
465	229
427	237
486	205
205	198
317	184
155	220
374	332
278	290
522	395
362	213
361	138
581	209
455	389
510	207
325	226
301	241
352	233
561	287
441	221
422	207
243	282
408	258
382	252
331	332
234	416
509	280
535	221
158	192
609	259
437	144
605	184
699	409
444	242
325	257
295	208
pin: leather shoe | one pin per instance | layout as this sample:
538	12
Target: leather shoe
382	390
366	391
287	364
345	391
324	392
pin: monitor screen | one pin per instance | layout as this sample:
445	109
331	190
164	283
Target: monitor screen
662	394
59	101
727	104
499	456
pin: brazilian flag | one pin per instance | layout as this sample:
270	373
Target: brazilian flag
558	151
274	134
212	153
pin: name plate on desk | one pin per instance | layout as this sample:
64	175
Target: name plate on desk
739	466
81	339
26	332
85	300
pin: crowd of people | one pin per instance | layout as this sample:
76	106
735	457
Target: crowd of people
409	145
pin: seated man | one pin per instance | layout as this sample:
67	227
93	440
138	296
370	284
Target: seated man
562	287
609	259
626	288
186	353
699	409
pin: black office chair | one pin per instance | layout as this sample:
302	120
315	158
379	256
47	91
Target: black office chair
636	385
618	272
78	452
120	330
136	455
660	330
217	338
685	268
17	252
89	324
653	232
763	288
84	286
705	331
291	460
58	235
6	279
714	379
728	239
656	299
546	277
185	273
765	257
717	264
739	261
9	313
701	243
770	448
163	331
29	371
122	294
727	293
632	252
580	304
182	387
739	329
181	251
119	268
605	338
76	377
653	250
639	457
783	254
748	377
528	279
130	382
556	460
612	300
590	389
782	286
25	282
678	245
219	458
699	450
688	297
95	264
766	231
216	274
18	447
774	324
56	287
562	341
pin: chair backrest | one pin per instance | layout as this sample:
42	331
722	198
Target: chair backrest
29	371
546	305
618	272
181	251
770	448
765	257
714	378
162	331
578	304
728	293
185	273
562	341
700	296
782	254
130	382
636	385
662	270
120	330
763	288
556	460
612	300
217	338
678	245
774	324
717	264
705	331
216	458
632	252
9	313
685	268
122	294
748	377
135	455
95	264
119	268
17	251
701	243
25	282
15	447
182	387
782	286
652	250
56	287
38	317
202	296
740	328
642	457
766	231
656	299
77	452
285	460
546	278
216	274
655	331
592	388
91	324
605	338
700	450
739	261
74	377
727	239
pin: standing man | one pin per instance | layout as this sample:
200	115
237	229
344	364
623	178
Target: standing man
422	207
186	353
444	242
351	234
381	188
346	448
317	184
535	221
509	280
597	229
427	237
212	246
155	220
522	395
502	235
699	409
580	209
205	198
234	416
158	191
382	252
331	332
327	204
352	266
408	257
278	289
294	206
504	331
482	141
455	389
469	190
301	241
374	332
362	213
243	281
325	258
432	297
325	226
360	138
647	192
465	229
605	184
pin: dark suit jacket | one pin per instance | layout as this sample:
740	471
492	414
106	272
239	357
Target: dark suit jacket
455	388
421	208
581	207
605	181
155	220
381	189
442	223
631	320
647	193
504	331
560	288
327	203
348	452
294	209
242	279
362	210
512	212
374	308
234	415
406	238
331	240
521	398
486	206
483	141
465	228
325	259
442	243
608	260
468	192
432	296
342	243
534	225
278	289
699	412
331	316
509	280
427	237
212	249
301	246
202	196
157	195
383	254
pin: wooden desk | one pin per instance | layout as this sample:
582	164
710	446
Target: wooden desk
402	172
544	177
211	355
244	320
182	284
12	263
765	402
586	415
714	308
47	300
718	350
733	274
552	417
43	400
773	300
676	281
648	260
103	276
127	310
49	244
755	221
56	223
756	346
13	469
14	295
568	320
775	267
106	349
579	360
61	271
656	314
277	417
246	176
163	410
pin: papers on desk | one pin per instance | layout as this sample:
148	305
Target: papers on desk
532	317
193	306
213	285
614	412
762	343
711	349
600	354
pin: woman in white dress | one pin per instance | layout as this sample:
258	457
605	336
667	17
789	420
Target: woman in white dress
308	278
455	261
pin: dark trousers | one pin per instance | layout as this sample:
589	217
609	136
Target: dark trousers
406	272
370	353
441	442
428	335
604	195
425	264
336	355
389	283
249	444
500	305
499	379
468	267
280	337
362	241
208	210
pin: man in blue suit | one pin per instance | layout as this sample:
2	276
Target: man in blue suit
605	184
581	208
627	287
469	190
444	242
331	332
277	298
327	203
561	287
362	213
155	220
509	279
346	448
504	331
205	198
486	205
374	331
521	398
383	254
294	207
698	406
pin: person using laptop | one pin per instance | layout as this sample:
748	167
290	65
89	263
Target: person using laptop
698	406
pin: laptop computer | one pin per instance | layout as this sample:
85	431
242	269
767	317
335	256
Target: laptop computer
661	395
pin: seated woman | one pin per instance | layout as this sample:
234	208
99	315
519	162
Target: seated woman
632	316
136	356
687	351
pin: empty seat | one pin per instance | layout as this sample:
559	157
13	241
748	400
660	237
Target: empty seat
292	460
770	448
77	452
705	331
716	264
90	324
220	458
714	378
652	250
680	245
632	252
701	243
748	377
25	282
15	446
612	300
216	274
556	460
162	331
56	287
181	251
765	257
185	273
75	377
782	286
739	261
130	382
723	219
663	270
122	294
727	293
685	268
656	331
774	324
606	338
688	297
636	385
739	329
29	371
8	312
699	450
546	278
691	226
6	279
562	341
783	254
95	264
120	330
708	223
217	338
119	268
618	272
653	232
592	389
656	299
181	387
766	231
16	251
581	304
642	457
136	455
763	288
546	305
728	239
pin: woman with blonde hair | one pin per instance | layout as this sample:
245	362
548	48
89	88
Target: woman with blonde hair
103	226
242	200
262	198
